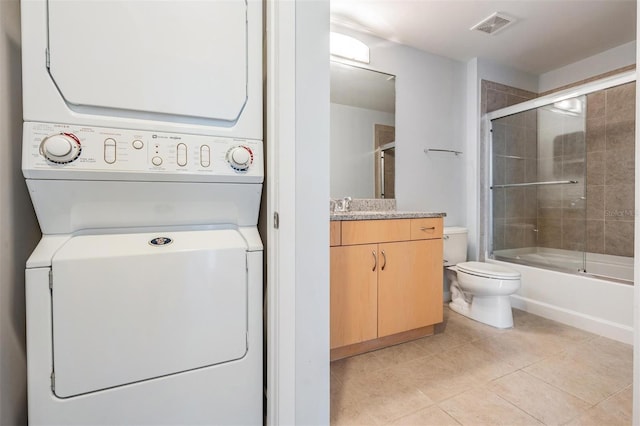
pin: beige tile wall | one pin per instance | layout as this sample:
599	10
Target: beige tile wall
561	157
514	162
610	170
559	212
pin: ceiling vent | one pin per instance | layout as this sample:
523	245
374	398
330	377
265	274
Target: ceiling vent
494	23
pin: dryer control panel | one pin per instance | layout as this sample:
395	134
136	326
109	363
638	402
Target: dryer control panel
60	151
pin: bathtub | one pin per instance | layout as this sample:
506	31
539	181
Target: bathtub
583	300
601	265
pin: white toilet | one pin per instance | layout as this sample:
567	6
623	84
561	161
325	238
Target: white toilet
479	290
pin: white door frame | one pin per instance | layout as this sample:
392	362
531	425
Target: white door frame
297	183
281	187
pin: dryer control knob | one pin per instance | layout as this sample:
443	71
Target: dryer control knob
62	148
240	158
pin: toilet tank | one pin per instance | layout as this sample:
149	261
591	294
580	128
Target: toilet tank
455	245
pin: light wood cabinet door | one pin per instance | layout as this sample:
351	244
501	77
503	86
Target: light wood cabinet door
354	294
409	285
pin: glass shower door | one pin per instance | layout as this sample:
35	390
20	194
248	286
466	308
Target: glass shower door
538	186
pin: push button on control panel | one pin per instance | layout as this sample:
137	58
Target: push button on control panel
138	144
157	161
205	156
109	151
182	154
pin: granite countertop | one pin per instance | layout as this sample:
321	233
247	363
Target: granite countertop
374	209
379	215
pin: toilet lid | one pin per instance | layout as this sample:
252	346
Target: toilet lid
488	270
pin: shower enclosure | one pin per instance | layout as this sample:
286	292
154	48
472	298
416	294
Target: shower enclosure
562	180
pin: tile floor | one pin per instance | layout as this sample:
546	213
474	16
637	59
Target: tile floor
539	372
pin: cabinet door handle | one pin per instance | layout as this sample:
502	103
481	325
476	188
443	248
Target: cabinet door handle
384	257
431	228
375	260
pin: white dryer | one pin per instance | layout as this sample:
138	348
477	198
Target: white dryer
191	66
144	296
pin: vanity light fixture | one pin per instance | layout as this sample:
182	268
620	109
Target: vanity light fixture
347	47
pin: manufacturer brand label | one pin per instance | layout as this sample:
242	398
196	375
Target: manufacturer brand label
160	241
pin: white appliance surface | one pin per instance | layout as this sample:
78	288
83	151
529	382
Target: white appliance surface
126	50
169	332
114	183
117	154
191	66
143	119
223	394
126	310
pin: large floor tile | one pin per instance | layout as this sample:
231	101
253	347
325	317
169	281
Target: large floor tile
431	416
544	402
614	411
400	354
387	394
345	407
592	371
529	344
482	407
474	361
539	327
447	336
471	374
356	365
438	378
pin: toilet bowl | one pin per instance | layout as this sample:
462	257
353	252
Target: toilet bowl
479	290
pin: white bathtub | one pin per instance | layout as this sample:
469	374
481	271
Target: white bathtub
602	265
593	304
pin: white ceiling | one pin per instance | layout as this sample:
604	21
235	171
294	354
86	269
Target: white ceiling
548	35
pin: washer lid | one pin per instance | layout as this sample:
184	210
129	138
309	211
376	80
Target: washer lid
489	270
168	58
132	307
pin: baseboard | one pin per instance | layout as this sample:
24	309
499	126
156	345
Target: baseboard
608	329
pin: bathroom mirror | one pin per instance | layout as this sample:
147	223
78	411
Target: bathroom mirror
362	132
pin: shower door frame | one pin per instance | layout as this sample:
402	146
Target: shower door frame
486	125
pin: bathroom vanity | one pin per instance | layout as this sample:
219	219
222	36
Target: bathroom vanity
386	279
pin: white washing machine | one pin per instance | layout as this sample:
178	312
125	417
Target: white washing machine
144	295
142	150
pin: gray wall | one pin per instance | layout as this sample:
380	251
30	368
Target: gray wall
430	107
19	230
352	152
311	219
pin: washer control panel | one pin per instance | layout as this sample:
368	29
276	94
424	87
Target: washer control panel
98	150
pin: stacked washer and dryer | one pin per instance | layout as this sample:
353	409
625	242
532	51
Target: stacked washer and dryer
142	152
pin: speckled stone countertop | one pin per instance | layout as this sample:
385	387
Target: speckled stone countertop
376	209
379	215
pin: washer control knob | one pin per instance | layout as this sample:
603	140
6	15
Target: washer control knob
240	158
62	148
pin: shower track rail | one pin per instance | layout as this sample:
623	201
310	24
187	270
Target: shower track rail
551	182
